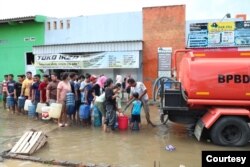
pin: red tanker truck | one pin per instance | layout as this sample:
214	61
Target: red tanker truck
211	90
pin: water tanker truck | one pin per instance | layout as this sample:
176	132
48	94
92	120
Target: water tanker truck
210	88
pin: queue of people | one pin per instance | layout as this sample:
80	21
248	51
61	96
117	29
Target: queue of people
91	94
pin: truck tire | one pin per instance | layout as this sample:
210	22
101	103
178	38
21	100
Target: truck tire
230	131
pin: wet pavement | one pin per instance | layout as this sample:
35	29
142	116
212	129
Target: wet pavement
121	148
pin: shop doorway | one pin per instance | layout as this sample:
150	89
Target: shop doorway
29	62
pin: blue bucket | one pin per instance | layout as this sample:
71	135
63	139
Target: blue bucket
21	101
32	110
84	112
70	109
70	99
10	101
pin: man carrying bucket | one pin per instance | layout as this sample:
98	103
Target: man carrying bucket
26	85
140	88
10	91
4	90
51	92
42	88
18	90
35	90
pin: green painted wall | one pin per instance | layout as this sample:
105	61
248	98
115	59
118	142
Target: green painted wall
13	47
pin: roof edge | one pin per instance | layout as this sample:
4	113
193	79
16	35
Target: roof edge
97	42
36	18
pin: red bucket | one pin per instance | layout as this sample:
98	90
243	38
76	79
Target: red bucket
123	122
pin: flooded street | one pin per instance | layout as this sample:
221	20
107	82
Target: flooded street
121	149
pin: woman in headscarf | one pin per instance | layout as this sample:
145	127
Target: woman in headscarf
118	79
101	81
99	100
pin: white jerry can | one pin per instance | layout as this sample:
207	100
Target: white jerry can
55	110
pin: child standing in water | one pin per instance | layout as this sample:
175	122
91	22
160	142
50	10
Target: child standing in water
136	111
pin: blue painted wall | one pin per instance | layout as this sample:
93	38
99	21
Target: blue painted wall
96	28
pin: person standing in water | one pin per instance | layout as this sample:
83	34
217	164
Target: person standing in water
4	90
136	111
63	88
51	93
27	85
110	104
140	88
17	91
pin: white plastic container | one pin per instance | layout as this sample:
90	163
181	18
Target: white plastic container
39	107
26	104
55	110
45	112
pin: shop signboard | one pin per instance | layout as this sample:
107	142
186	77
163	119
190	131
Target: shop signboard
242	33
103	60
198	35
164	61
219	34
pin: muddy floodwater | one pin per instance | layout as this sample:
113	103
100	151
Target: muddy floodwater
122	149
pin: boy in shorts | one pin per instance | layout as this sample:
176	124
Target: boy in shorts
136	111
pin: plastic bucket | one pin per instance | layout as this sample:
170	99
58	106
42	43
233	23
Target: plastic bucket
21	101
10	101
31	110
45	112
55	110
26	104
39	107
84	112
123	122
70	109
70	99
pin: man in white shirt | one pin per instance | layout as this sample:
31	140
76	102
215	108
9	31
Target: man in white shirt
140	88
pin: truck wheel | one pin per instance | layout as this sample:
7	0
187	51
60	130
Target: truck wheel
230	131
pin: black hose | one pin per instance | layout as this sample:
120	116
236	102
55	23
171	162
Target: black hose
159	88
154	86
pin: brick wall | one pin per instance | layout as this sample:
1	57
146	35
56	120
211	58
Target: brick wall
162	27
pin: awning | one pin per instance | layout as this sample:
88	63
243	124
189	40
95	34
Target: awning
37	18
100	60
86	47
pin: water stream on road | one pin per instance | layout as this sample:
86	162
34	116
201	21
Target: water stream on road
121	149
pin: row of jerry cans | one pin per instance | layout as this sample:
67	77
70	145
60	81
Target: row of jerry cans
85	113
52	111
21	104
11	101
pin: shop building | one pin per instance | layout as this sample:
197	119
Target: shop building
112	44
108	44
17	37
